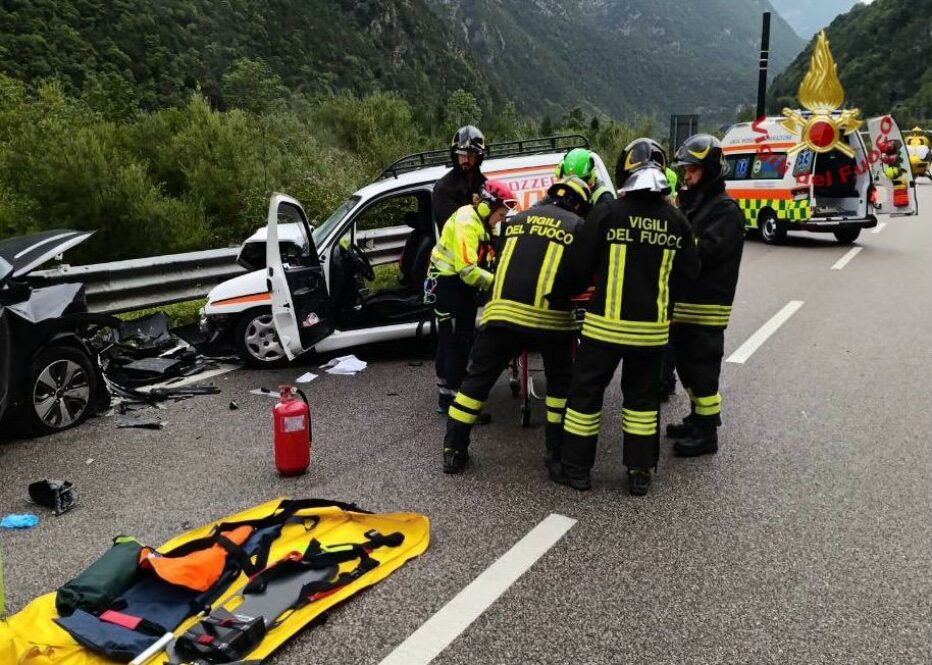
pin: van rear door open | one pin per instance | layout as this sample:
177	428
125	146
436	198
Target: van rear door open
898	195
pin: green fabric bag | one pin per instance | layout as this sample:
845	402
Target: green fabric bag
104	581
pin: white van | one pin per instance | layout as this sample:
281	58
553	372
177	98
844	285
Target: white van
309	287
829	192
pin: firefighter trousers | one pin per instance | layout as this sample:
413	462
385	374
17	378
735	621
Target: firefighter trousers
494	348
699	351
456	307
640	414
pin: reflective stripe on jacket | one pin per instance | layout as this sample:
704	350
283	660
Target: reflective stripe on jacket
458	251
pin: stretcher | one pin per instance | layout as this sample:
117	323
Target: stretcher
521	383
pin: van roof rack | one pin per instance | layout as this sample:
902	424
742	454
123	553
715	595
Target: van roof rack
420	160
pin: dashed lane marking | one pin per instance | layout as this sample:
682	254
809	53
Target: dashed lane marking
763	333
843	261
879	227
452	619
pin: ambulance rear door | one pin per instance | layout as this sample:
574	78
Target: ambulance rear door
896	177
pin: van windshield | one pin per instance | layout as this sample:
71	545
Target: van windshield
322	230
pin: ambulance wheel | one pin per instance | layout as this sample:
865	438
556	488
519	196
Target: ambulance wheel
256	341
847	236
772	230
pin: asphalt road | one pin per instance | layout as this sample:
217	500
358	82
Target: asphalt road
805	540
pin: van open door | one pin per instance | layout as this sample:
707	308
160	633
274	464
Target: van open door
296	282
896	178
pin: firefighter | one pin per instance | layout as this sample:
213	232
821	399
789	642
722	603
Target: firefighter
530	307
668	369
701	313
456	276
636	244
580	162
464	181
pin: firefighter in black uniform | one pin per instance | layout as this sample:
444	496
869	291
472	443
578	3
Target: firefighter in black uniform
703	307
530	306
464	181
637	244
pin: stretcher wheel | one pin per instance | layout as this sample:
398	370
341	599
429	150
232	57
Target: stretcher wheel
514	382
525	415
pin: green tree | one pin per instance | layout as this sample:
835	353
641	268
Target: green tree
462	109
251	85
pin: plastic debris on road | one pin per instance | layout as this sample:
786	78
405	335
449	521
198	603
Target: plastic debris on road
265	392
307	377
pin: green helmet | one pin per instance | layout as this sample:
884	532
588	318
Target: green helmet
577	162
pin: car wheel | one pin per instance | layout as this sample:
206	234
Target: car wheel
772	230
847	236
256	340
62	383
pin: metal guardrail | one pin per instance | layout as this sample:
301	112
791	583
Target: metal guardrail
124	286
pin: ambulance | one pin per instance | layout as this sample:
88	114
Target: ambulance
917	144
783	185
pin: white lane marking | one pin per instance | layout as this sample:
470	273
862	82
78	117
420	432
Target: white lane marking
879	227
452	619
763	333
843	261
188	380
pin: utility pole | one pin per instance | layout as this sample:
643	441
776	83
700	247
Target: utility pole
764	58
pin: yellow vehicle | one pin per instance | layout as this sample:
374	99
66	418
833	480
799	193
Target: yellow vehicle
917	144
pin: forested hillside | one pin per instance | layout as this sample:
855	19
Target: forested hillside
621	57
808	17
883	51
156	52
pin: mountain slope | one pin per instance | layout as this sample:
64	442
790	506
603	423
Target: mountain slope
164	49
622	56
882	51
808	17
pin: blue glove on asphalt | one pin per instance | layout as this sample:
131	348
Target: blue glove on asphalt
25	521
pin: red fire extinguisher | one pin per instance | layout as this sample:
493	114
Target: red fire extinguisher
292	421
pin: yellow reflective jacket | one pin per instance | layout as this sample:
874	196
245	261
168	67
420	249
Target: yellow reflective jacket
459	251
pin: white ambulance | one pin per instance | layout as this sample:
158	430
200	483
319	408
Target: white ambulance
781	188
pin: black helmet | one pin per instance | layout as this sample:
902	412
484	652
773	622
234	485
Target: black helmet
572	190
467	140
706	151
639	154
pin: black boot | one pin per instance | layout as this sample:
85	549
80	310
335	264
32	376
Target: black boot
455	447
483	418
681	430
638	481
572	476
703	441
455	461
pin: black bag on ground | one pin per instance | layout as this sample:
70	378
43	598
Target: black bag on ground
104	581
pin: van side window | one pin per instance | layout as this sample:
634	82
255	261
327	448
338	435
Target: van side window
803	165
737	167
769	167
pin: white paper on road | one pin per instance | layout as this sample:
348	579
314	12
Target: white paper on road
348	365
307	377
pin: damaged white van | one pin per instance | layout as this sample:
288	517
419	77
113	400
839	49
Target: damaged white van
338	283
